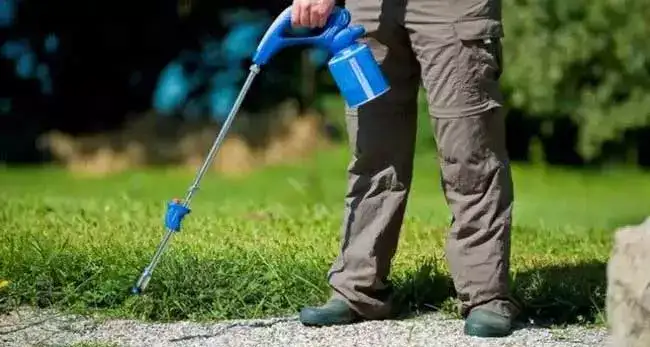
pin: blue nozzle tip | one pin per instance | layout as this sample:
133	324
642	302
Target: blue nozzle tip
136	291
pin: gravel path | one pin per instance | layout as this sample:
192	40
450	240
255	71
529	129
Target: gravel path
46	328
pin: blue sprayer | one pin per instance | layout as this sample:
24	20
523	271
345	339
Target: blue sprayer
352	66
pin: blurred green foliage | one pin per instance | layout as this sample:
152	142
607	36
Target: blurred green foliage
583	60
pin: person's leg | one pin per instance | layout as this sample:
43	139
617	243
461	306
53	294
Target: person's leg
461	78
477	183
382	139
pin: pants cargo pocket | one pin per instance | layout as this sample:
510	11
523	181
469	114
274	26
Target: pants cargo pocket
481	59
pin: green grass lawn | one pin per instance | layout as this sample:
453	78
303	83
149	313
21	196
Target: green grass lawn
261	246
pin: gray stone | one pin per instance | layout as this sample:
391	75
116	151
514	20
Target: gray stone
628	287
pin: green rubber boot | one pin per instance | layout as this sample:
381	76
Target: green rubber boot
484	323
333	312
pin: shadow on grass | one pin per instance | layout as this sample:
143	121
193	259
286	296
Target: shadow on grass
567	294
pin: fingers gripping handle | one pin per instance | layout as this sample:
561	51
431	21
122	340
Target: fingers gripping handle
273	40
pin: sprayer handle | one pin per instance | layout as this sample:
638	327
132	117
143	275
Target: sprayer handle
273	41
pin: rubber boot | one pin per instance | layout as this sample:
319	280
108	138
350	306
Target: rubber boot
333	312
485	323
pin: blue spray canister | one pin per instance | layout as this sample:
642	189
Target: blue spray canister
352	65
354	69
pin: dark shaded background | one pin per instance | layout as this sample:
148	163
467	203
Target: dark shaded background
86	67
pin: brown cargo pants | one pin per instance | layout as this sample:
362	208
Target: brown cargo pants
459	63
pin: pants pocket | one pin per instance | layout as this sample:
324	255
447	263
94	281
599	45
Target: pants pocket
485	55
481	61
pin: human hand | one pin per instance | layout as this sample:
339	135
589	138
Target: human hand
311	13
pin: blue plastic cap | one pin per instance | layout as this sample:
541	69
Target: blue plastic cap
175	214
346	38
